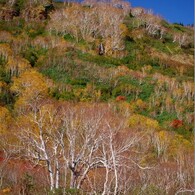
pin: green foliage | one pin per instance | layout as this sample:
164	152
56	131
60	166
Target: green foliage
15	26
58	4
19	5
3	2
185	131
174	27
3	61
34	29
28	183
150	189
147	89
100	60
74	72
79	81
165	24
32	54
106	91
61	191
168	38
56	74
64	95
178	27
33	33
4	75
7	99
165	120
74	192
165	116
70	38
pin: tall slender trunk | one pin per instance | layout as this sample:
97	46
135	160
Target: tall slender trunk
114	166
106	182
51	174
57	175
73	179
82	177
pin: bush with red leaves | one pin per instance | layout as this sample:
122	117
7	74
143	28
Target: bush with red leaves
176	123
120	98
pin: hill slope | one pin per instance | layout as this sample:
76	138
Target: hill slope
88	70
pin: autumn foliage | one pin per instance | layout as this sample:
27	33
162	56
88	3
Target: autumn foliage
96	97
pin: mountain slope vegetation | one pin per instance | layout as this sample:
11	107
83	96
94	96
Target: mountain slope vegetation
96	97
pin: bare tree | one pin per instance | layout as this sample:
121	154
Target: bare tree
38	134
180	38
102	19
82	129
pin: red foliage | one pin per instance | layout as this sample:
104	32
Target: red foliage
176	123
20	167
120	98
1	156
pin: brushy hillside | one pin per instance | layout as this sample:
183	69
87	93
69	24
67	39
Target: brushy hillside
96	97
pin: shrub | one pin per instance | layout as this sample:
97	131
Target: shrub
32	54
70	38
79	81
19	5
142	122
146	90
168	38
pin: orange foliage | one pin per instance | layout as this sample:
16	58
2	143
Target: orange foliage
120	98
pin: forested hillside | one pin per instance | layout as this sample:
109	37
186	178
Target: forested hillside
96	97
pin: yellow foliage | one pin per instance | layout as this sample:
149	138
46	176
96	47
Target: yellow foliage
31	31
29	82
123	108
29	86
160	82
140	103
6	190
17	65
2	86
27	122
179	144
5	50
178	92
137	120
88	93
20	103
121	70
78	92
5	119
45	120
137	33
147	68
124	29
164	136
